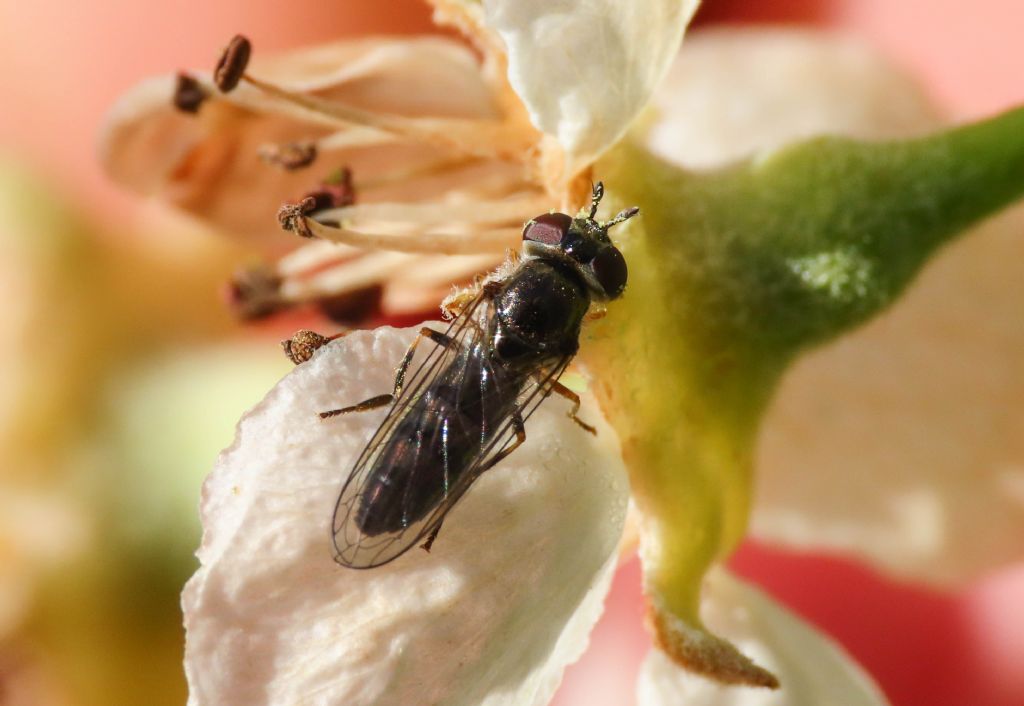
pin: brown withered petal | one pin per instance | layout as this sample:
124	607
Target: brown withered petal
232	64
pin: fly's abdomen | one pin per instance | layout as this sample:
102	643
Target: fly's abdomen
425	456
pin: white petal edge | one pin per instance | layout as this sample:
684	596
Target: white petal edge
813	670
734	92
585	68
504	601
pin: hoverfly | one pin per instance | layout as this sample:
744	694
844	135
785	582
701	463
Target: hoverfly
464	408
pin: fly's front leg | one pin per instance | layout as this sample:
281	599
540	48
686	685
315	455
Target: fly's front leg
382	400
520	429
575	399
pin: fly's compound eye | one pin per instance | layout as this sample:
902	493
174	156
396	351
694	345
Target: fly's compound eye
609	269
547	228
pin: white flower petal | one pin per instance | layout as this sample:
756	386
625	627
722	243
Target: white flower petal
903	442
584	69
503	602
734	92
813	670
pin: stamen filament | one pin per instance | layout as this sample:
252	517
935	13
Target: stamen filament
350	276
441	271
315	256
416	241
494	212
473	137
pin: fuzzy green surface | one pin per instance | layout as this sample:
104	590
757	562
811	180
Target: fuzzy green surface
732	273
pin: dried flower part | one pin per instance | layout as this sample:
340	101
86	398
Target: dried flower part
188	94
302	345
292	216
232	64
701	652
813	669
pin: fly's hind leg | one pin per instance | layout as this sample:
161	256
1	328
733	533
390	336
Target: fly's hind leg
364	406
430	538
575	399
520	429
437	337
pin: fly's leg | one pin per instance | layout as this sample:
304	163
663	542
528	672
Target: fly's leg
455	303
430	539
520	429
437	337
575	399
364	406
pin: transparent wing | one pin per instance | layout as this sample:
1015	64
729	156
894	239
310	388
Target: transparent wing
353	546
412	429
504	440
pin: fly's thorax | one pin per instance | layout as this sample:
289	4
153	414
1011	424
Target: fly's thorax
538	312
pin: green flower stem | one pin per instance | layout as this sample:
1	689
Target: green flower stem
732	273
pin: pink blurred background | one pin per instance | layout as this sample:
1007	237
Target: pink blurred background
66	62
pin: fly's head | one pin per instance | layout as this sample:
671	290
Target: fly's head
584	242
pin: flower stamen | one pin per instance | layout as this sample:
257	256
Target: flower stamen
189	94
321	272
483	138
417	239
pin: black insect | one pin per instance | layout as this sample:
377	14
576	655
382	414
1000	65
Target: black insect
464	408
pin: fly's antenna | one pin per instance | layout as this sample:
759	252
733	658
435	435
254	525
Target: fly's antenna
595	199
624	215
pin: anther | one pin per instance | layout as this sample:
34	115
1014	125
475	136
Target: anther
336	191
255	293
232	64
292	216
302	345
188	94
292	156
